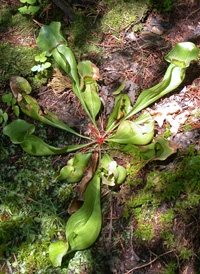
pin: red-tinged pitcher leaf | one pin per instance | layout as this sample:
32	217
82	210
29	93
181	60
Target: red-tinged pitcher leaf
164	148
19	85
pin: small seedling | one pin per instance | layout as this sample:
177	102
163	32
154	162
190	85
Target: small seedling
29	8
41	58
3	117
11	102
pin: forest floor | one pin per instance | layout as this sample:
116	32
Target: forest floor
151	223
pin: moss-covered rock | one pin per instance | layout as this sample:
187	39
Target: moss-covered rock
122	14
16	60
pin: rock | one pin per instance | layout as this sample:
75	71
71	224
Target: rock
157	30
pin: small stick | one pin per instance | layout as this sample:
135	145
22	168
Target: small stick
149	263
192	13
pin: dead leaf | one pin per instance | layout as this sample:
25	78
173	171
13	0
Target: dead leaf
90	173
162	112
59	82
95	72
74	206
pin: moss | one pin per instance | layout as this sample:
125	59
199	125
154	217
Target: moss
17	23
166	220
23	25
122	14
82	31
16	60
167	132
170	268
145	230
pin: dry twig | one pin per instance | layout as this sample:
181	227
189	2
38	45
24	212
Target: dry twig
151	262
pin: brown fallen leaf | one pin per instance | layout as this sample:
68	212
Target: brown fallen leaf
76	203
90	173
74	206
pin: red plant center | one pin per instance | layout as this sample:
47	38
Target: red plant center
99	138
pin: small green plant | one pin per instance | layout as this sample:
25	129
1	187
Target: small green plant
11	102
162	6
84	226
41	58
3	117
171	268
29	8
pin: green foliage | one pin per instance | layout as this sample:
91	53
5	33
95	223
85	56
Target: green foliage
83	28
3	117
84	226
171	268
144	231
29	8
10	101
31	211
161	6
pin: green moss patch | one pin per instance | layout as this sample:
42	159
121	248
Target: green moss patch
122	14
16	60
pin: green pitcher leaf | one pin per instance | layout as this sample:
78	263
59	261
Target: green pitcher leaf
80	159
180	58
182	54
20	132
118	91
164	148
51	40
111	172
57	250
88	72
74	170
70	174
121	108
71	66
92	99
19	85
138	132
30	107
50	37
84	226
160	149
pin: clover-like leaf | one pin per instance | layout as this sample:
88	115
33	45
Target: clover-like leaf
41	57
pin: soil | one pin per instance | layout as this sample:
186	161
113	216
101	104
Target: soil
137	58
